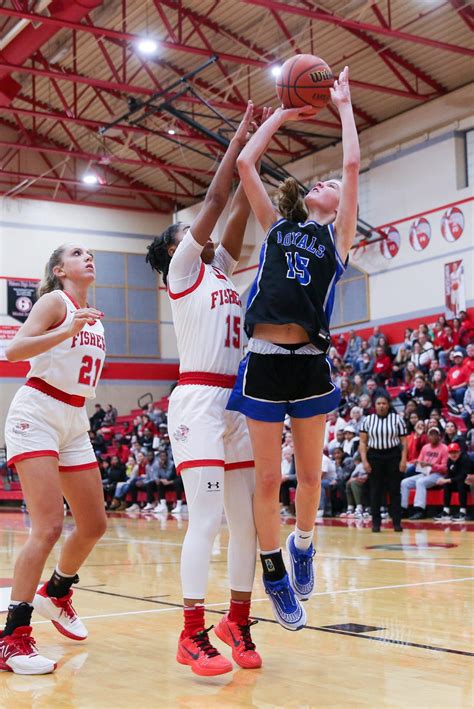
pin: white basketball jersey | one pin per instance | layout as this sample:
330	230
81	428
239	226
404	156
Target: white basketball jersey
74	366
208	323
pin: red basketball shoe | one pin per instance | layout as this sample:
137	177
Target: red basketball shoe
61	613
18	654
240	640
197	652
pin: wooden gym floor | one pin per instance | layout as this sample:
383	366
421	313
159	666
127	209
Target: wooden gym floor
390	624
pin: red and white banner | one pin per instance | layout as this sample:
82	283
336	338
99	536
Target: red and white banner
420	234
7	333
454	296
390	246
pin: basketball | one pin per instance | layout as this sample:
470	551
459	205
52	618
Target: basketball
304	80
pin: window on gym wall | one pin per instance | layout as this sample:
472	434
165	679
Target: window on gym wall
351	304
127	292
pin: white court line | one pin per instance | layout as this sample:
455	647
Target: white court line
259	600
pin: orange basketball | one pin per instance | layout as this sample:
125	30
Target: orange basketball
304	81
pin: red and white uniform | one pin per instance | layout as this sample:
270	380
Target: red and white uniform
47	416
207	316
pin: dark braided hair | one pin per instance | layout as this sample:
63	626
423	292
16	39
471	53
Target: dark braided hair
158	256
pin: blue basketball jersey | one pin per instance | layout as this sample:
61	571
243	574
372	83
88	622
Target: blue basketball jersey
298	270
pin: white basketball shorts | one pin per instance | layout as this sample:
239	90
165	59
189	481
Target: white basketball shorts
203	433
39	425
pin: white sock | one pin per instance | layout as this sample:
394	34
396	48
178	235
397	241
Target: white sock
359	508
446	510
350	508
17	603
303	539
61	573
462	510
162	502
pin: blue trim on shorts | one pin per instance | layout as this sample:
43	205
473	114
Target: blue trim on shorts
274	412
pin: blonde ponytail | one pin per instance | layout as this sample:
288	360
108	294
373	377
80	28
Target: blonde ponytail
50	281
290	202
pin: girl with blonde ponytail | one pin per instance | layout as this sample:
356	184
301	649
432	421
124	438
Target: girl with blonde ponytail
285	370
46	435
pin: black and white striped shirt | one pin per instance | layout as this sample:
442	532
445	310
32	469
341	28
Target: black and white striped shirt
384	431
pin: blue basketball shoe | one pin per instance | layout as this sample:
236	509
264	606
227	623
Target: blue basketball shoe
287	609
301	568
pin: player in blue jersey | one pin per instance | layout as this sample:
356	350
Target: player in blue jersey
286	370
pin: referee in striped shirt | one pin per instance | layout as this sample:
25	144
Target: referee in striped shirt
383	449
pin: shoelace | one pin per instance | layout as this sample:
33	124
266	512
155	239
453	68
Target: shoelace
284	593
66	606
304	563
245	633
24	644
202	641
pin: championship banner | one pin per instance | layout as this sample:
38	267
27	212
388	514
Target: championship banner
7	333
454	295
21	296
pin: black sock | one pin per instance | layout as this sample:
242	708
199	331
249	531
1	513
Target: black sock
273	566
58	586
19	615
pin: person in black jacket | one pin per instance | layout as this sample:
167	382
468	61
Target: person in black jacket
115	474
459	467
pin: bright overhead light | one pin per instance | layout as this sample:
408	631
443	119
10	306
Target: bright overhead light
146	45
171	131
90	179
276	70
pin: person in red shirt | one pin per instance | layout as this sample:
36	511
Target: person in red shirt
440	387
457	378
433	462
468	362
341	346
382	366
466	331
415	442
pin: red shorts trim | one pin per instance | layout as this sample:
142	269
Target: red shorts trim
74	468
225	381
32	454
242	464
41	385
200	464
175	296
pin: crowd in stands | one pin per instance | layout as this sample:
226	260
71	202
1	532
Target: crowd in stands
429	378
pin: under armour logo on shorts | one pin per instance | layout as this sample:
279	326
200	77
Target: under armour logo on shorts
210	485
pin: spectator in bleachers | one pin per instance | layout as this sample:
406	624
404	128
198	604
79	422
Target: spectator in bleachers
468	362
466	330
408	338
110	416
374	390
356	490
115	474
341	346
146	440
135	449
129	466
344	465
413	419
423	395
374	338
365	403
427	352
358	385
382	368
288	480
97	417
146	424
401	359
353	347
453	435
456	330
468	401
337	441
440	387
431	465
98	443
138	471
415	442
457	378
409	375
356	418
364	349
146	482
351	441
365	365
167	481
125	435
327	478
383	343
459	467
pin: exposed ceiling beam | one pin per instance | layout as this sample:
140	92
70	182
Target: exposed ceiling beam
355	24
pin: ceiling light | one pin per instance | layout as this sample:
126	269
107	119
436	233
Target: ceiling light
276	70
90	179
171	131
146	45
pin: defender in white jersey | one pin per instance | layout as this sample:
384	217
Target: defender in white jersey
46	434
211	446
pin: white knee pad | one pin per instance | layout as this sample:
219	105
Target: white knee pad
204	488
238	500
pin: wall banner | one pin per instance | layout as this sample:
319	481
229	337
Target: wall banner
454	295
7	333
21	296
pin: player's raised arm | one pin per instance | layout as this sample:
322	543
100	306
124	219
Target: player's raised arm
218	191
346	220
247	161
